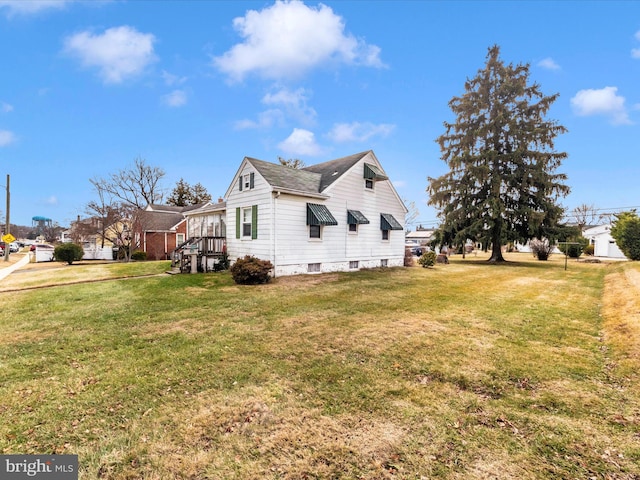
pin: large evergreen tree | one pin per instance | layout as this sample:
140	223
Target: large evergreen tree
626	232
502	184
184	194
200	194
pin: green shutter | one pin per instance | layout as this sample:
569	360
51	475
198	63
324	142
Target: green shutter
373	172
240	183
319	215
254	222
237	222
251	176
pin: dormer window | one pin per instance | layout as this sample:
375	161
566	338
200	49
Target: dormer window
246	182
372	174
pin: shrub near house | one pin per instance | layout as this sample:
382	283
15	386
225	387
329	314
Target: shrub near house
68	252
626	232
251	270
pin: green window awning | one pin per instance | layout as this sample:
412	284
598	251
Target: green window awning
319	215
355	217
388	222
373	172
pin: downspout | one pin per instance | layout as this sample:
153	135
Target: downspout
346	235
274	243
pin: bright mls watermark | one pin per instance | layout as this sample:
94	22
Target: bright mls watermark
46	467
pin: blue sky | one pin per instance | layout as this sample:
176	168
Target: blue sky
195	86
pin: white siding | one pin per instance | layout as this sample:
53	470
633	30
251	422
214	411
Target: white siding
603	243
260	195
337	247
283	233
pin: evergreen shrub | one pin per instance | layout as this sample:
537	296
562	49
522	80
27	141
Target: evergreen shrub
68	252
251	270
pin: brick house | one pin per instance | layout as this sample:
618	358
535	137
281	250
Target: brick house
160	229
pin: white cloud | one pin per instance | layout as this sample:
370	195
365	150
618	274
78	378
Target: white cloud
52	200
27	7
177	98
293	104
300	142
635	52
549	64
119	53
6	138
266	119
290	38
604	101
290	104
358	132
171	80
6	108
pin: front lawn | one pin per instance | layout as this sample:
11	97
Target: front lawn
463	371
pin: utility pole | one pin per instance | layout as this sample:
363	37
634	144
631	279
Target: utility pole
7	228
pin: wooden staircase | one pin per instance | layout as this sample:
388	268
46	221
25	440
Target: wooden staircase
208	253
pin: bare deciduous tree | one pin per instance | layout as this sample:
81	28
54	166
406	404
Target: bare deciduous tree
585	215
412	214
291	163
121	197
138	185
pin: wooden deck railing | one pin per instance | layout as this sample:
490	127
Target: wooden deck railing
202	247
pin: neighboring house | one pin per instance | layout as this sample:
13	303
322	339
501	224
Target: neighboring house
94	239
421	237
339	215
603	243
160	229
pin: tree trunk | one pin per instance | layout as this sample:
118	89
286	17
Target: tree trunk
496	245
496	254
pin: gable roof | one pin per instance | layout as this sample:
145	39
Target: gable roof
332	170
155	207
312	180
287	178
597	230
151	221
207	208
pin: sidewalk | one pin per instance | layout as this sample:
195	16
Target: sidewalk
5	271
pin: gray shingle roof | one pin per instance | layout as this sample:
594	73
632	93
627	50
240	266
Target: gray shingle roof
314	179
332	170
208	208
279	176
159	221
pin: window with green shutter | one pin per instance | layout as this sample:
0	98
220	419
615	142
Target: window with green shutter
247	222
238	222
254	220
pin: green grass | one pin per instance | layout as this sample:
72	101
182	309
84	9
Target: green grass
467	370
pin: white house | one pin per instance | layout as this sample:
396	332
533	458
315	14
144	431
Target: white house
421	236
340	215
603	243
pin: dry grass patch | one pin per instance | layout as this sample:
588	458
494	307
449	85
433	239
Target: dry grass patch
447	373
258	433
621	312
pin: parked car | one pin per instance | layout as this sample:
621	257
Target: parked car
14	247
418	251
